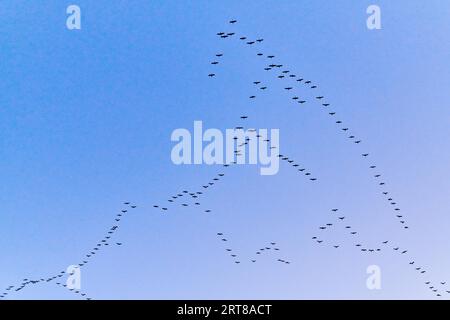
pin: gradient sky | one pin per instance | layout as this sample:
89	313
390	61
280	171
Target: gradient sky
85	124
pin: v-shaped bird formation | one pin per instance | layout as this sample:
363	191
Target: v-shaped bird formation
294	86
294	82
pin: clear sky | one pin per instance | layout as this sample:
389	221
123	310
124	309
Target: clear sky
85	124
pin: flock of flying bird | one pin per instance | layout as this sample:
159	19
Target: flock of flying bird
104	242
283	73
266	249
382	246
192	198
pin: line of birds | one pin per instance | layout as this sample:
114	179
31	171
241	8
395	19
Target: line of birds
104	242
192	198
298	167
78	292
266	249
383	246
287	74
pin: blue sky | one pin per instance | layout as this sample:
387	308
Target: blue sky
85	124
